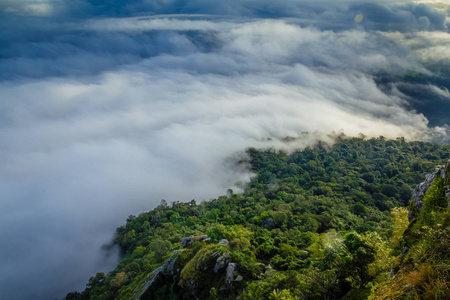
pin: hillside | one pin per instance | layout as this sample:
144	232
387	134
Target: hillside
323	223
422	270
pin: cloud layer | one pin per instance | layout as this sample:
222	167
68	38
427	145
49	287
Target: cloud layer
108	108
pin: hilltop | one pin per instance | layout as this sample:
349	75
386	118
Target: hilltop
329	222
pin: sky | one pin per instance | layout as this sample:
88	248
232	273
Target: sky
107	107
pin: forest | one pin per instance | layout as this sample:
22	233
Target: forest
328	222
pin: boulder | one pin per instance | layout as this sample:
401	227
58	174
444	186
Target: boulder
220	263
167	269
224	242
231	269
188	241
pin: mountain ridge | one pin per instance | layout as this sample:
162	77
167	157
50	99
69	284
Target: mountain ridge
322	223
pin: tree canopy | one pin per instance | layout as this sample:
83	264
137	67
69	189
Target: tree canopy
323	223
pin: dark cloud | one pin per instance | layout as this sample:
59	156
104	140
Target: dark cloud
403	18
107	108
426	97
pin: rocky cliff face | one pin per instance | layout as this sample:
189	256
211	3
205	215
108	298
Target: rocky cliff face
421	270
194	273
442	171
168	269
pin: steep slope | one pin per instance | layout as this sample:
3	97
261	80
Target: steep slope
315	224
422	270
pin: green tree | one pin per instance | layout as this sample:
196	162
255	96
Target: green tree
356	257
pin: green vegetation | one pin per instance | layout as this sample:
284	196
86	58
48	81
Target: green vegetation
323	223
423	271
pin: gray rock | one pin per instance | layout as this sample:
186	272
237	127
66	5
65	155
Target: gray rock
231	269
216	253
167	269
303	253
224	242
268	223
420	191
220	263
188	241
185	241
422	188
269	271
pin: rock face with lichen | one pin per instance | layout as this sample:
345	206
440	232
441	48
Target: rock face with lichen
447	180
210	267
166	270
442	171
187	241
195	272
426	244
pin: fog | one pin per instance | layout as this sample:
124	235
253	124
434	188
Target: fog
107	108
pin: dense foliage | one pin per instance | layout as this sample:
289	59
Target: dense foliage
322	223
423	270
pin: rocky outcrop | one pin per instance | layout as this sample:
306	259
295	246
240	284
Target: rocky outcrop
447	180
188	241
209	267
421	190
231	270
442	171
166	270
221	262
224	242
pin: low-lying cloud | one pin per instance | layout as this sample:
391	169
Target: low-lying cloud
102	117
